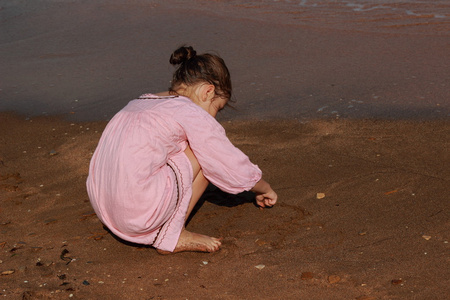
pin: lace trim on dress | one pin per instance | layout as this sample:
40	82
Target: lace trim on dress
151	96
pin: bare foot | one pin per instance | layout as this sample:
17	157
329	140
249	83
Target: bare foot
190	241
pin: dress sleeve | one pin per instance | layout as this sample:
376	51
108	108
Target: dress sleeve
222	163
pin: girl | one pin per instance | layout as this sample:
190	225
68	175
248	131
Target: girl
157	155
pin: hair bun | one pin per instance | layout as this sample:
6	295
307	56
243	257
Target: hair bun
182	54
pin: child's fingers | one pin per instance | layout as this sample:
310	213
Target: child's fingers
259	197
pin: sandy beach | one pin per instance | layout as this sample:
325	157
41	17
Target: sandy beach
347	119
363	214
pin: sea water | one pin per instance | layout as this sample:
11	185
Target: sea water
290	59
385	15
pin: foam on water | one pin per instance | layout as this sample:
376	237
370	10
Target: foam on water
365	15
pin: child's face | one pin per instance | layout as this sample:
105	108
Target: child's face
204	96
216	104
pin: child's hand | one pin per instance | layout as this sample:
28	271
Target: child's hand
266	199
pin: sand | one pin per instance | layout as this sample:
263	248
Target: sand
360	164
379	229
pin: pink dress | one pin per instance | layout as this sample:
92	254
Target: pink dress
140	180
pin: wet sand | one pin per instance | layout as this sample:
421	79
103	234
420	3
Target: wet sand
378	231
87	60
349	125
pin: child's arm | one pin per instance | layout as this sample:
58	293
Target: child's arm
265	196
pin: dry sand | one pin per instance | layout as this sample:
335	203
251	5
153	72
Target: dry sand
363	208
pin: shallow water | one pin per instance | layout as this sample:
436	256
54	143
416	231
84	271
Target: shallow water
364	15
288	59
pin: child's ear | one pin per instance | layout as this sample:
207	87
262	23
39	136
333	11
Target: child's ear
209	92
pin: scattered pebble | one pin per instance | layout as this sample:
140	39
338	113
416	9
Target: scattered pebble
8	272
260	267
396	281
52	152
426	237
334	279
205	262
320	195
260	242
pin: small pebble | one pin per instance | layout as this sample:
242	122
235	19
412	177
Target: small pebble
426	237
320	195
334	279
8	272
396	281
260	267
